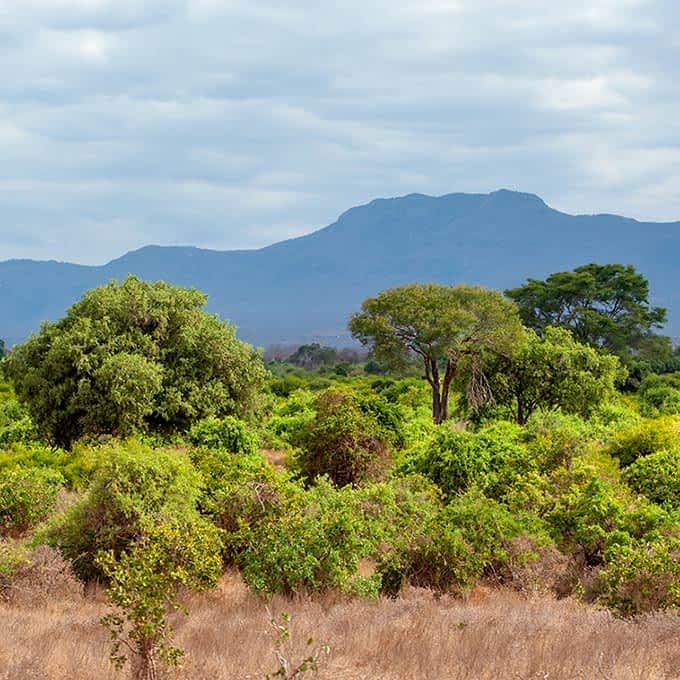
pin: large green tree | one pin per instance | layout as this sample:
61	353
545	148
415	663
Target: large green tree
132	356
553	370
605	306
442	326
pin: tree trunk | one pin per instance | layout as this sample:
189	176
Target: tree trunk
145	667
440	390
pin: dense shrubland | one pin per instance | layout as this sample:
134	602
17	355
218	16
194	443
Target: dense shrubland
338	479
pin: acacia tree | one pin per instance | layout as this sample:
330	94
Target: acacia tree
134	356
605	306
553	371
441	325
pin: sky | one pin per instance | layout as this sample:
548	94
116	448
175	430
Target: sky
228	124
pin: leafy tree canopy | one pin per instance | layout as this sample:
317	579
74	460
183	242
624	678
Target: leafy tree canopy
553	371
440	325
605	306
132	356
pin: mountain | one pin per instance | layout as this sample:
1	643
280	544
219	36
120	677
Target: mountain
306	287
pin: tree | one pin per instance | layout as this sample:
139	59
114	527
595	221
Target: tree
134	356
441	325
605	306
553	371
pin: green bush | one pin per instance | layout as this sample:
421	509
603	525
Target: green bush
661	400
642	577
77	466
440	559
289	421
493	459
16	426
134	487
27	496
657	476
285	385
144	586
344	441
238	492
14	556
648	437
315	544
227	434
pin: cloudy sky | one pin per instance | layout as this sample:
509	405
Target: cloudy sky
234	124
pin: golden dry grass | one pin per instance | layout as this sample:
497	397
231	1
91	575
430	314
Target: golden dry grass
492	635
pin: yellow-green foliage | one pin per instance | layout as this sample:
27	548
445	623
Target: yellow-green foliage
657	476
134	487
648	437
27	495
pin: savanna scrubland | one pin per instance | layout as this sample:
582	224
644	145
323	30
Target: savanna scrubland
494	492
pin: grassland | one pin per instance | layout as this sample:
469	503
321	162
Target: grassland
488	635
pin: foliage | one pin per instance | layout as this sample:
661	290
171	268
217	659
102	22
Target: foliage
645	438
238	492
603	305
226	434
642	577
290	419
553	371
14	555
132	356
493	460
659	395
464	541
315	544
144	584
348	439
27	496
657	476
133	487
439	325
76	466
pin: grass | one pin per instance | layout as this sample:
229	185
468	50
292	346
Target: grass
493	634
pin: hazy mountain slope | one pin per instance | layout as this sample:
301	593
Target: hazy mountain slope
308	286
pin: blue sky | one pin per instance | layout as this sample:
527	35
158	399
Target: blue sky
229	124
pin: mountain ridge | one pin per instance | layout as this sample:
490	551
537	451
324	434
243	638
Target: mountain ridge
307	286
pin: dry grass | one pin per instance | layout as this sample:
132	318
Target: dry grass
494	635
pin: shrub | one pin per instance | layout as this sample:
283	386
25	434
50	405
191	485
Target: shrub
344	441
238	492
316	543
660	401
33	575
288	423
439	559
642	577
492	459
13	558
555	439
77	466
227	434
144	587
657	476
135	486
27	496
648	437
586	515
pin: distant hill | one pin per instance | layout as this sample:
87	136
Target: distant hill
305	288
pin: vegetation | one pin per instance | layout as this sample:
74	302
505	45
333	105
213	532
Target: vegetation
350	482
603	305
131	357
552	370
441	326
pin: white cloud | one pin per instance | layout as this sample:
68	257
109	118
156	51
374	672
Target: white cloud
228	122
